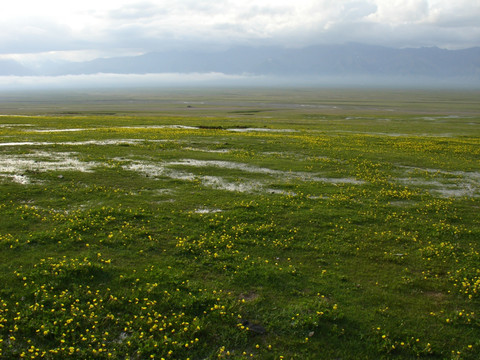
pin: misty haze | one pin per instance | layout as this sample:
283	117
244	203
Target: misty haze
328	65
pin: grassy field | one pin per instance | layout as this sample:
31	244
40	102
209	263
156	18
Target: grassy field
238	224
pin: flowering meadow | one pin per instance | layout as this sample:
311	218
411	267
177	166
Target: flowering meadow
236	225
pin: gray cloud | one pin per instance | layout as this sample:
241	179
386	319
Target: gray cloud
356	10
153	25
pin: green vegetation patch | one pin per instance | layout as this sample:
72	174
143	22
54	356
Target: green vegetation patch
254	231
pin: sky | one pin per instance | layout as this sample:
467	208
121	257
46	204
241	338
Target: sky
32	30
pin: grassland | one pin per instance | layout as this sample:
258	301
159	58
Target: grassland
235	224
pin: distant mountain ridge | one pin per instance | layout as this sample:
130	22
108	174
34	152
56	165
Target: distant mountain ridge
320	60
12	67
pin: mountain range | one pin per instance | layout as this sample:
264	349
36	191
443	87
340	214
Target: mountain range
320	60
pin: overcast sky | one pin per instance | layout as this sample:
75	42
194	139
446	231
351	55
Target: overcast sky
84	29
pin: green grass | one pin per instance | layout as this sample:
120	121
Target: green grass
353	234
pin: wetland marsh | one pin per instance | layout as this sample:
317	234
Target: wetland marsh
238	224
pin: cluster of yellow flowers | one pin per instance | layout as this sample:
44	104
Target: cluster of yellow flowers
69	317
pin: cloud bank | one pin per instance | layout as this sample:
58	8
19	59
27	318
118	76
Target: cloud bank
123	81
